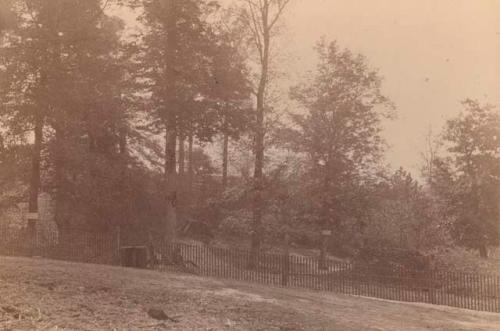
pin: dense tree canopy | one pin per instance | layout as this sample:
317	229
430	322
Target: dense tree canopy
340	130
126	130
467	178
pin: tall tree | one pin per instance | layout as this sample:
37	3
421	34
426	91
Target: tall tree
176	44
230	90
340	130
468	178
24	90
63	62
261	17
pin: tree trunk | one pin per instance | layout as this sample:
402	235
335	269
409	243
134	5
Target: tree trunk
326	224
123	145
182	156
257	188
483	251
182	195
190	168
60	216
170	118
124	185
170	185
324	238
259	143
35	165
481	236
35	177
225	159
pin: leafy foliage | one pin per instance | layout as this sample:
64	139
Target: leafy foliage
340	131
467	179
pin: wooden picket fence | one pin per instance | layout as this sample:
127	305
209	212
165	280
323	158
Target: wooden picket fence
463	290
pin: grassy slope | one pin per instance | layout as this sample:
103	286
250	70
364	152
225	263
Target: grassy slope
48	295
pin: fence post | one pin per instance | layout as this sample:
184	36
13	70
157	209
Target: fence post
285	267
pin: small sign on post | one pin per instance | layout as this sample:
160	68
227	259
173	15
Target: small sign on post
32	216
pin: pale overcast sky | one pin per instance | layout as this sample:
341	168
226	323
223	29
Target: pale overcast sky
432	54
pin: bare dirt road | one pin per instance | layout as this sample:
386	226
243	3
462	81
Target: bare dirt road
38	294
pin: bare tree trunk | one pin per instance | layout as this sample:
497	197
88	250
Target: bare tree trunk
225	159
259	140
262	17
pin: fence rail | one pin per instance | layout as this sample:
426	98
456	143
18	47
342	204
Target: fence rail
462	290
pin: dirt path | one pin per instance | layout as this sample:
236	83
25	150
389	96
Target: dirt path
48	295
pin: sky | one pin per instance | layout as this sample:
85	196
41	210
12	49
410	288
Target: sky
431	53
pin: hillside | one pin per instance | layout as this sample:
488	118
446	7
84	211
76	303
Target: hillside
41	294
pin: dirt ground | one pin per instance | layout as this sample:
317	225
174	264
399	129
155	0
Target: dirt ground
38	294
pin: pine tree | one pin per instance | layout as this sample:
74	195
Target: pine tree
174	61
64	62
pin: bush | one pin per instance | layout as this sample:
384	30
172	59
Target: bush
388	260
465	260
